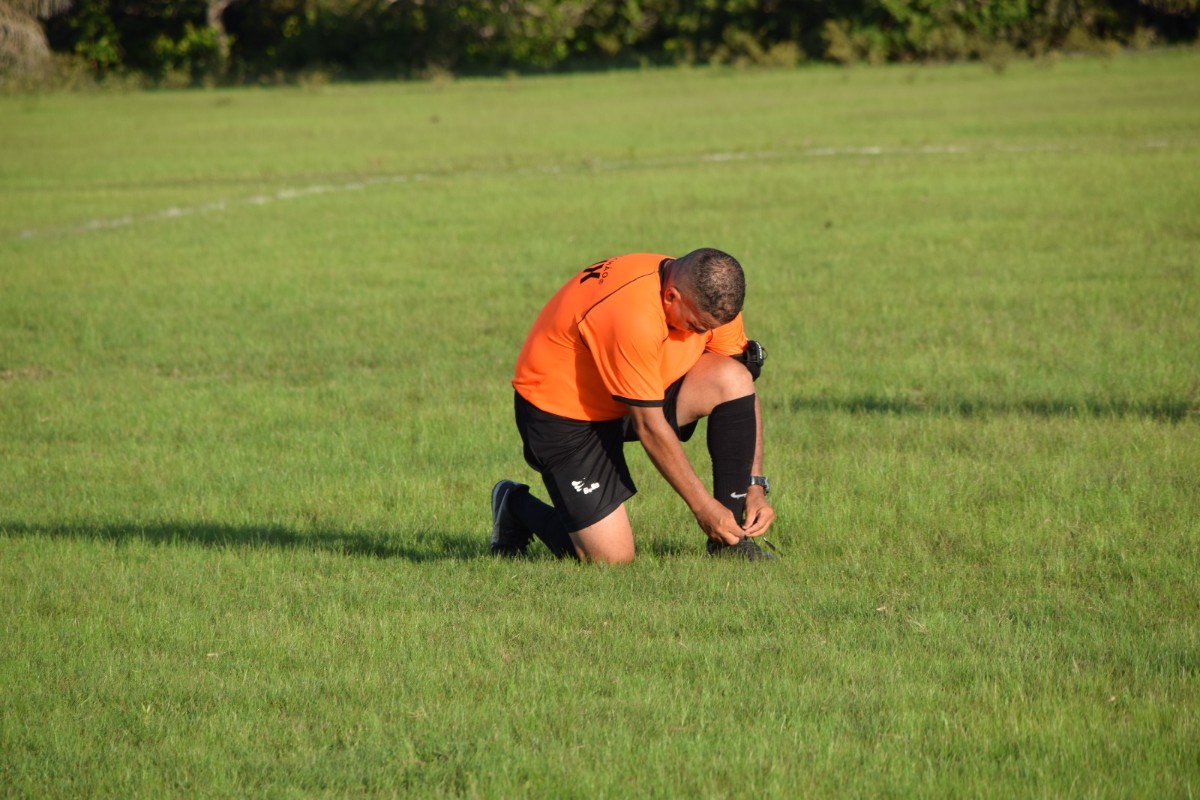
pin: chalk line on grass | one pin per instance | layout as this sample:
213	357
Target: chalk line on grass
363	183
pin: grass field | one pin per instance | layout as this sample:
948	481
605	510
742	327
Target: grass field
254	359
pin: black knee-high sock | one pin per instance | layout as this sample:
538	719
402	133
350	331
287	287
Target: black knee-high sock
732	429
543	520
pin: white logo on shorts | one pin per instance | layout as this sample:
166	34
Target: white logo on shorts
737	496
580	487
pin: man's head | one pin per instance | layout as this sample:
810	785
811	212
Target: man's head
704	289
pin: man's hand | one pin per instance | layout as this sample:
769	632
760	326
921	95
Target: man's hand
666	453
759	514
718	523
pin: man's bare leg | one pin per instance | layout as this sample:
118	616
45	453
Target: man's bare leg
713	380
609	541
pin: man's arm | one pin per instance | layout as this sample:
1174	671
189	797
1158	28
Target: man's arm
665	451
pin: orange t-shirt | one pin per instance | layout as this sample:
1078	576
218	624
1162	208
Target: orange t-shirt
602	343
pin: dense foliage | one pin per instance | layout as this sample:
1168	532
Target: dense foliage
228	39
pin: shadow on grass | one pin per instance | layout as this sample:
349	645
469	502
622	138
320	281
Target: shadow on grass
1161	409
670	549
424	545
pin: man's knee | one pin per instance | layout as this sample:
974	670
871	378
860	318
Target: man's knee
615	559
733	377
609	541
713	380
601	552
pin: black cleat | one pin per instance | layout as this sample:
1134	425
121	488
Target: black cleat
509	536
747	548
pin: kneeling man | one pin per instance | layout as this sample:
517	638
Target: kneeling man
637	348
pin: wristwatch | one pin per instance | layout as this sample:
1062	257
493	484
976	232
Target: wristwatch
761	480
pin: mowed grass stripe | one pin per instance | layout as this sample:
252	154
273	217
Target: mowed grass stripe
204	142
361	183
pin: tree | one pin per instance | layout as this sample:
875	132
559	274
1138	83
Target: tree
23	46
215	9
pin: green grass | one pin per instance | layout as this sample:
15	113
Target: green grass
247	444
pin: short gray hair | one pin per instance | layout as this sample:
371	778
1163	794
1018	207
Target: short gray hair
714	282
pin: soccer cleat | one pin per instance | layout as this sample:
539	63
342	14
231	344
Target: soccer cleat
747	548
509	535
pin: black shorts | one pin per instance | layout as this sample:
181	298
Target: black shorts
582	463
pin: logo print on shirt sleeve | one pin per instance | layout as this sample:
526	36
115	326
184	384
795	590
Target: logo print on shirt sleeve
599	271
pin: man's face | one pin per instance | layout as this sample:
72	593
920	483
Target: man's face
682	314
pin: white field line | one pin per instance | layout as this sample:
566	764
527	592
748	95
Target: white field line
360	184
